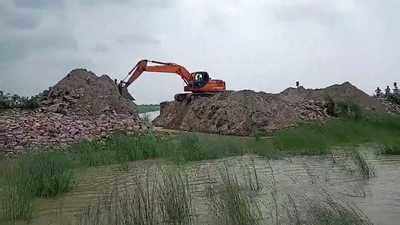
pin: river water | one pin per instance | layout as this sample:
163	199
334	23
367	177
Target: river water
150	115
377	197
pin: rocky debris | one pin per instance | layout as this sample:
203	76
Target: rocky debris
82	92
389	106
22	130
245	112
81	106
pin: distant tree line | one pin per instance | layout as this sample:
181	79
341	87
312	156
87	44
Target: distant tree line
14	101
391	95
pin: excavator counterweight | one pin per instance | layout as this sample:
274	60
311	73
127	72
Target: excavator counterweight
196	82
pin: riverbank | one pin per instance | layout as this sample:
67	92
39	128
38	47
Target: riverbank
46	175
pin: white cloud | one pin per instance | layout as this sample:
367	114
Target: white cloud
252	44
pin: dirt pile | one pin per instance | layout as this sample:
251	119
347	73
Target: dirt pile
246	112
80	106
236	113
345	92
82	92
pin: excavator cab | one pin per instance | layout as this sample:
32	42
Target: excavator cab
200	79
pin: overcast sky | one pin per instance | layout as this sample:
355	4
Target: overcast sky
265	45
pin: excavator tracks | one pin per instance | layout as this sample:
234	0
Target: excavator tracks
189	96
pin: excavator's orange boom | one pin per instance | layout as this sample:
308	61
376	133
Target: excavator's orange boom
197	82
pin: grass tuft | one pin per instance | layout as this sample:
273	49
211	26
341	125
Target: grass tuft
230	205
175	198
124	206
364	168
331	212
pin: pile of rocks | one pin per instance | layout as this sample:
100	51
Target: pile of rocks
237	113
80	106
390	107
245	112
24	130
82	92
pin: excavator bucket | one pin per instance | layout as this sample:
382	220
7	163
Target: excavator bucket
125	93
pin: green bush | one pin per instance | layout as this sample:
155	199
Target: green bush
330	106
8	101
31	103
348	110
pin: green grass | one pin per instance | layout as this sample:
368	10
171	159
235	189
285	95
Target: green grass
183	148
305	139
192	147
148	108
118	149
38	175
317	138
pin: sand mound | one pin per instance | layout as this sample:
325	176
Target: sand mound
82	92
245	112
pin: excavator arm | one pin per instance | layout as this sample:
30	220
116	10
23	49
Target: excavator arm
142	66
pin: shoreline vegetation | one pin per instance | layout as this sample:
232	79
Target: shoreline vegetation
51	173
148	108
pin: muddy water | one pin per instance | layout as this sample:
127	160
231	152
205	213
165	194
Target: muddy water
378	197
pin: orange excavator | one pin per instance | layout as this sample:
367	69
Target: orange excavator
198	83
